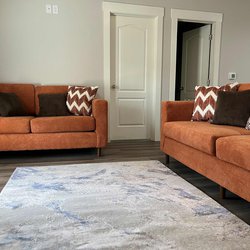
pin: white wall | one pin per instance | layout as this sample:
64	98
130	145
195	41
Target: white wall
51	49
68	48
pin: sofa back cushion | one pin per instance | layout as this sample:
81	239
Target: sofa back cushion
48	90
25	92
244	86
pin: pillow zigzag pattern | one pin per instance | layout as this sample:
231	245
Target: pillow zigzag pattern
205	101
248	124
79	99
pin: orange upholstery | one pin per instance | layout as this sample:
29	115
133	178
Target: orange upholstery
233	178
100	113
62	124
25	92
48	90
15	125
47	141
175	111
30	133
221	153
199	135
235	150
244	86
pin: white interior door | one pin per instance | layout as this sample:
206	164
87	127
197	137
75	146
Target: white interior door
131	77
195	60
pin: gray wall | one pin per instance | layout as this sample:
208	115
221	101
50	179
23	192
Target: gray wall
68	48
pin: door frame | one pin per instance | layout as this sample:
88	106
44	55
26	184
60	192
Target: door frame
200	17
157	13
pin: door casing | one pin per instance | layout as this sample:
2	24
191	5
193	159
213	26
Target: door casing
157	14
200	17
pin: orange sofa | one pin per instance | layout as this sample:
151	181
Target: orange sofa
59	132
219	152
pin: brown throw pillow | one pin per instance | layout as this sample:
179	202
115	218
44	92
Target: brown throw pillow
53	105
233	108
205	101
79	99
10	105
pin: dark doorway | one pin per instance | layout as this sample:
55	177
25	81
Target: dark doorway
182	27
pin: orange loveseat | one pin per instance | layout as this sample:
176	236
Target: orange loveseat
59	132
219	152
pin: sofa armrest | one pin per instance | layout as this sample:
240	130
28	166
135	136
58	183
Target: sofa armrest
175	111
100	113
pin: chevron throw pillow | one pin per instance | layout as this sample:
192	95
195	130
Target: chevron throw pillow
205	101
79	99
248	124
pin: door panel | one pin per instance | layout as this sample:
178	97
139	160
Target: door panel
195	60
131	112
132	43
131	60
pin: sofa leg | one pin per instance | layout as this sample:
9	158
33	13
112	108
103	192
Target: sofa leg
167	159
222	192
99	152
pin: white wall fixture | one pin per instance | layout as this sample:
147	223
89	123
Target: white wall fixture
52	9
48	8
200	17
55	9
232	76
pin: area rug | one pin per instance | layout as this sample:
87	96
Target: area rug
125	205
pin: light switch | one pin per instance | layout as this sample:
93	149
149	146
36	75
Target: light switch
55	9
231	76
48	8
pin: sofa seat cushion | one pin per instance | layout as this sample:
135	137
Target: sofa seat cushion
62	124
235	150
15	125
199	135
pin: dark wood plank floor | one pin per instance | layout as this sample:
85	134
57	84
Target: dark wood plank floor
120	151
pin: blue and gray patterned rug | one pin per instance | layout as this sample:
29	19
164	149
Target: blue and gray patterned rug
125	205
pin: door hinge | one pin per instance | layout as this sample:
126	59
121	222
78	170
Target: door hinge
210	37
208	82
